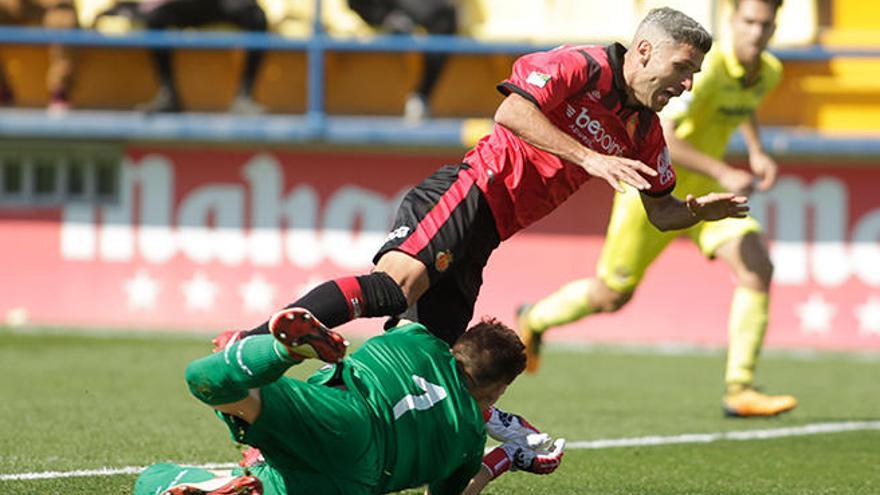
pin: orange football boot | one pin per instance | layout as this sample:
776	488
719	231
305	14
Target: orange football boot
746	402
530	338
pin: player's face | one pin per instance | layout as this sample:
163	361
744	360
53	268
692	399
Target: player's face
668	72
495	393
753	23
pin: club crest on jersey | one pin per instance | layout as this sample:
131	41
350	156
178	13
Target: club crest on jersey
443	260
538	79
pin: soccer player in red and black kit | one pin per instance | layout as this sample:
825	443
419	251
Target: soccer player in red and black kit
569	114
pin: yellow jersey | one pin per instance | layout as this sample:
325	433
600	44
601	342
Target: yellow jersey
706	117
709	114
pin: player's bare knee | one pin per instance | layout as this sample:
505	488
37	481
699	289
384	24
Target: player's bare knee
607	300
247	409
617	301
764	272
756	277
409	273
754	266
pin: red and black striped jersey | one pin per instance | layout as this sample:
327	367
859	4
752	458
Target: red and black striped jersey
581	90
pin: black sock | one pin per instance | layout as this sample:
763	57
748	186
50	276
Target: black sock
381	295
326	302
338	301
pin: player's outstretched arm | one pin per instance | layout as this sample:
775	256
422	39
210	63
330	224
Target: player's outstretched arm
668	213
478	482
763	165
525	120
509	457
523	448
684	154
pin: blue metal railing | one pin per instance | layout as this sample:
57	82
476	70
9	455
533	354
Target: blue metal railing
316	77
319	43
315	124
316	46
320	39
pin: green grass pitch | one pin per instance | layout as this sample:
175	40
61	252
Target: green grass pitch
74	402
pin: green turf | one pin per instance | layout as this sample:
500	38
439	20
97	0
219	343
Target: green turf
74	402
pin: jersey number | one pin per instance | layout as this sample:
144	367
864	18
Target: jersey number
433	394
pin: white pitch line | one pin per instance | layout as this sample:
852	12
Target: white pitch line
810	429
794	431
105	471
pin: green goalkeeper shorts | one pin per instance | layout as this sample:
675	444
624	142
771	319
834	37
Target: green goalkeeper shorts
316	439
319	439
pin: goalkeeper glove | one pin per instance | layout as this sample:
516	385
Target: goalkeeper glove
541	458
509	428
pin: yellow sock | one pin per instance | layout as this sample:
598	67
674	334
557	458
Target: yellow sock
746	327
566	305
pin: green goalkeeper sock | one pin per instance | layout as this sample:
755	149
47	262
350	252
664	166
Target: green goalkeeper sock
227	376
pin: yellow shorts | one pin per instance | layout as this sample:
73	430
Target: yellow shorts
632	243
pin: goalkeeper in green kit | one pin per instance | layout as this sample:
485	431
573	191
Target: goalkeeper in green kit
403	411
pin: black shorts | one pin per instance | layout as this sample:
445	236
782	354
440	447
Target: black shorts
445	223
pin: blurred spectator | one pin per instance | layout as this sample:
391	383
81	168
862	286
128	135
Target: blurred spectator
404	16
165	14
56	14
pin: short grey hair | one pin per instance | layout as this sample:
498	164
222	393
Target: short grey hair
679	26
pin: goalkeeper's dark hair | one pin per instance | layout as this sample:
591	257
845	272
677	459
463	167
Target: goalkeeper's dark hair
490	352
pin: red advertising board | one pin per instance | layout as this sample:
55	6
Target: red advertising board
215	239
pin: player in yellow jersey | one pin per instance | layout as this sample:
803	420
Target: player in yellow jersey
735	78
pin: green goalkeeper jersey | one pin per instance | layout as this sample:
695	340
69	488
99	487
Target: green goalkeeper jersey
428	427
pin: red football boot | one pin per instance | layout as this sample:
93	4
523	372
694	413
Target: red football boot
242	485
306	337
251	456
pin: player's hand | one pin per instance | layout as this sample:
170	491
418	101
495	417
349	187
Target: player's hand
765	168
539	458
616	169
737	181
509	428
715	206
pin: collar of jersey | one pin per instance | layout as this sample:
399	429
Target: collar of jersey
731	63
737	70
615	52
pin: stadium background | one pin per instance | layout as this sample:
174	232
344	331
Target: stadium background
206	221
127	241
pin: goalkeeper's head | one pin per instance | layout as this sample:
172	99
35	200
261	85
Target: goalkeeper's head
490	356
